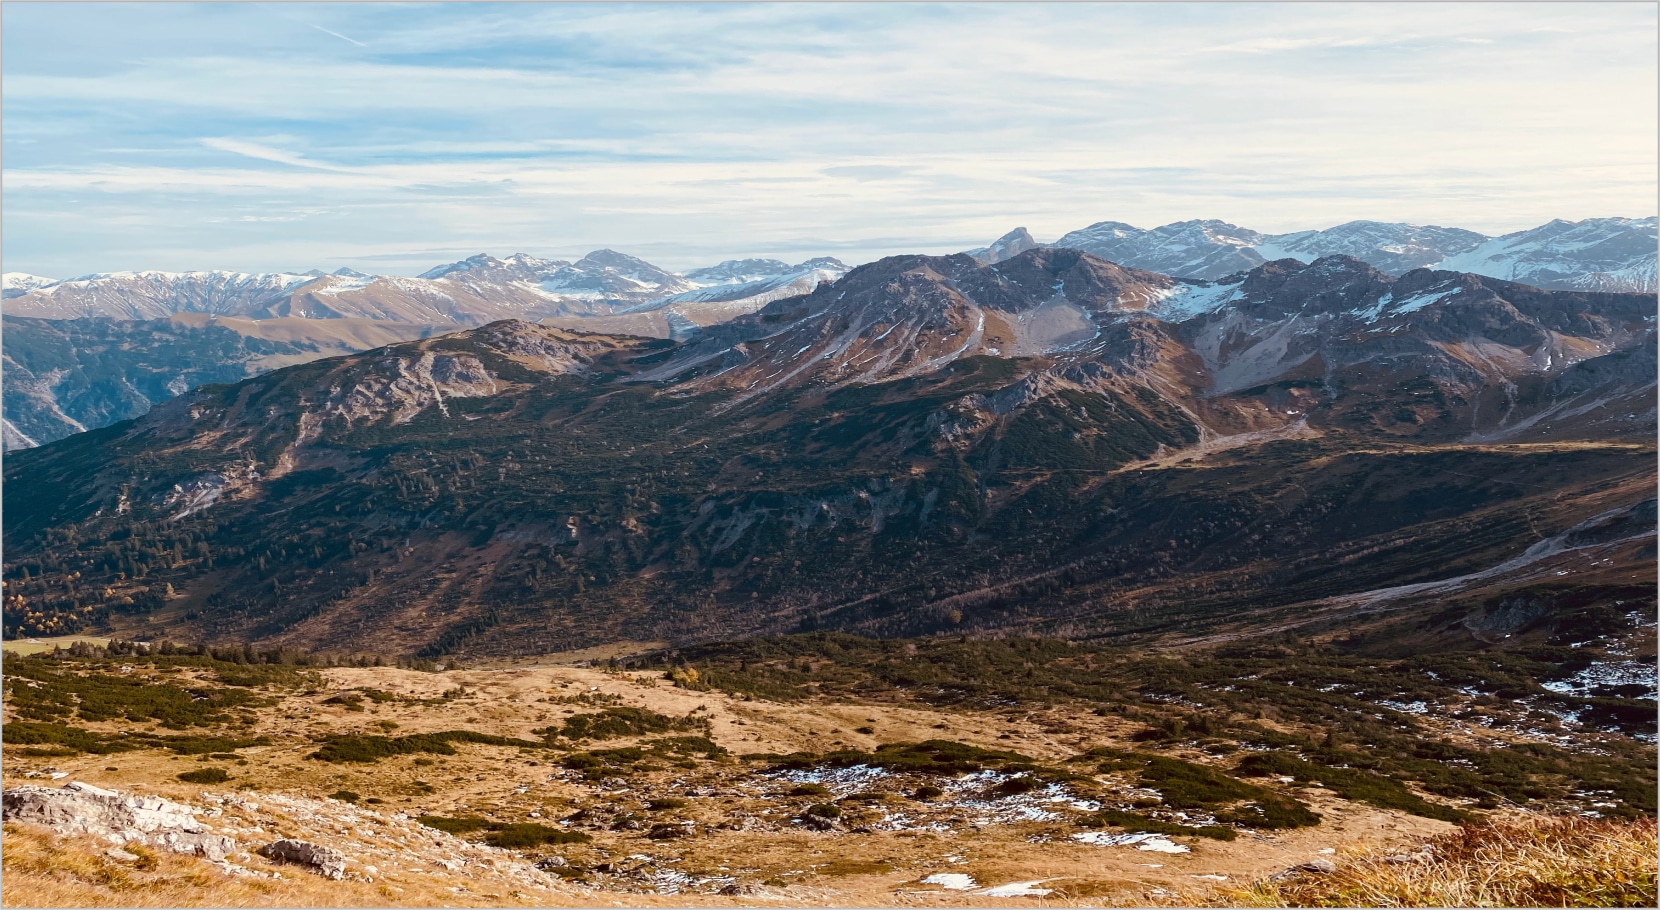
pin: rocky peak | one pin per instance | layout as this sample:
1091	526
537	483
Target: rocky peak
1007	246
1331	284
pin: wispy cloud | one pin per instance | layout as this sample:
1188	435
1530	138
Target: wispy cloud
708	131
265	153
340	36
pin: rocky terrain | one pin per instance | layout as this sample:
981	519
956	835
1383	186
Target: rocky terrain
66	376
553	781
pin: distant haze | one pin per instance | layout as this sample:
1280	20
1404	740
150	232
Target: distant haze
391	138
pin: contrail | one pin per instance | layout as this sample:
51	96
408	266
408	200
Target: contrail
340	36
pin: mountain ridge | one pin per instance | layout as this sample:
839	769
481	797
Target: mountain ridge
522	488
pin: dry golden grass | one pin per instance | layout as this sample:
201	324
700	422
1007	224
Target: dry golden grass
1557	862
42	870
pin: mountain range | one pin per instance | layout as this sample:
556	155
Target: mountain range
1050	444
1608	254
473	291
54	389
1598	254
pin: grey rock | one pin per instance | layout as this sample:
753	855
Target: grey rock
1404	859
322	860
819	823
119	818
1312	867
671	830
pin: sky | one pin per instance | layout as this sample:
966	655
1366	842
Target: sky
392	137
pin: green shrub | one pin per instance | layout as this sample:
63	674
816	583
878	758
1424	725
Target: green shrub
1271	811
934	756
205	776
1185	785
462	825
368	749
824	810
33	732
1135	822
809	790
614	723
1349	783
526	835
1015	786
582	761
345	796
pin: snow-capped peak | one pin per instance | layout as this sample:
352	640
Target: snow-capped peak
23	282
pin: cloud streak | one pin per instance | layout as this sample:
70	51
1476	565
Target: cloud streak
700	132
340	36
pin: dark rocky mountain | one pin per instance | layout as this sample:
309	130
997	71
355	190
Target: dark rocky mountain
65	376
1055	445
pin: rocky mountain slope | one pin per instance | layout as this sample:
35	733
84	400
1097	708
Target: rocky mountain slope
611	292
1054	443
65	376
68	375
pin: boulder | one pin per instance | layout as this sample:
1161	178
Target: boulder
669	830
321	860
819	823
118	818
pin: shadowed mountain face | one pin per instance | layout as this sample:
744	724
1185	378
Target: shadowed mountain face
65	376
1052	443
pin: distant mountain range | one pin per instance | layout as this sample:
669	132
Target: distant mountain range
1609	254
54	388
1598	254
1051	444
473	291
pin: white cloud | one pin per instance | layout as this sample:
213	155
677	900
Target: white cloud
265	153
695	131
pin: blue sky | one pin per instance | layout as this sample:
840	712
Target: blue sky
390	137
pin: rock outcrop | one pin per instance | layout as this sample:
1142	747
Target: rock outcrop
321	860
119	818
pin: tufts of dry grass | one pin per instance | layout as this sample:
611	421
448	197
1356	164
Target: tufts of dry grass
1555	862
44	870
